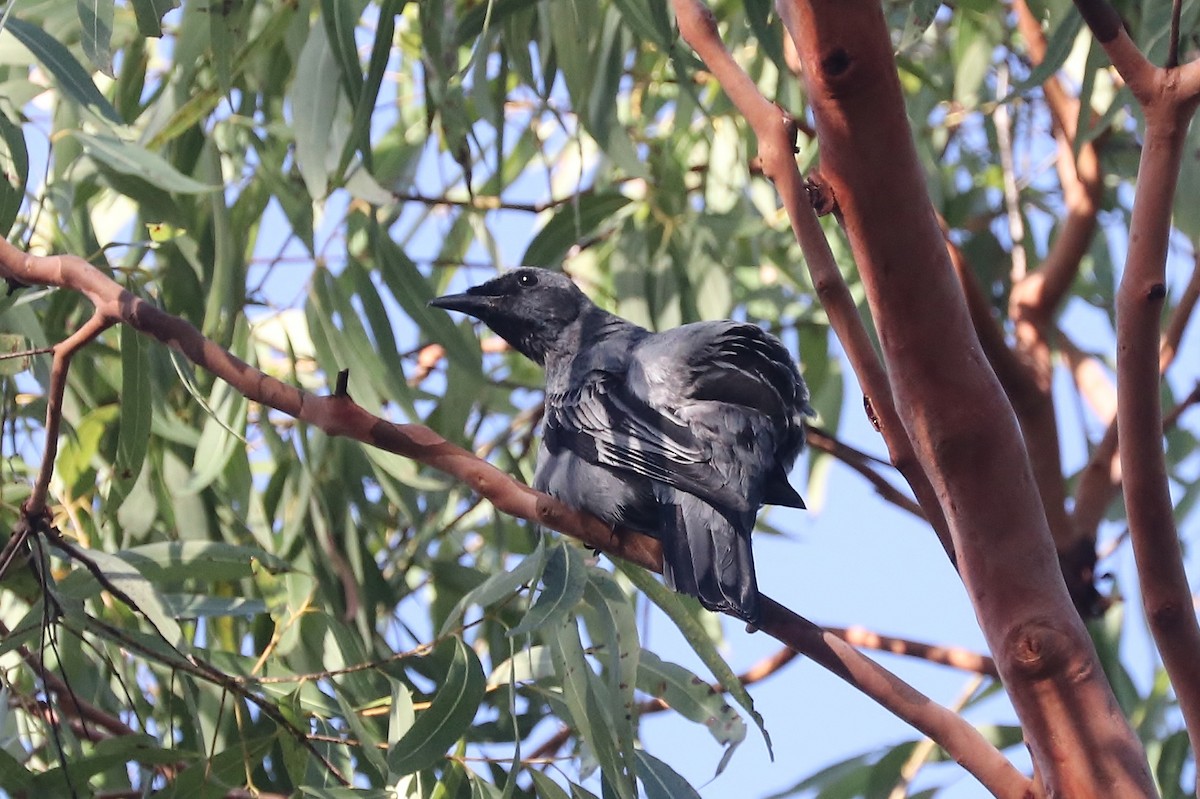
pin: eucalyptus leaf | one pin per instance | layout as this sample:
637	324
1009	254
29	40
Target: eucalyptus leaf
436	729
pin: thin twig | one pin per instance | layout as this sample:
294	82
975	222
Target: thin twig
953	656
35	505
1173	40
1012	196
195	665
858	461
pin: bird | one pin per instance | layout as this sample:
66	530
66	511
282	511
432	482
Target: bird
682	434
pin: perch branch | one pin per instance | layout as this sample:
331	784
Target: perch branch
339	415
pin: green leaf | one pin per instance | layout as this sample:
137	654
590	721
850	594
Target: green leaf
132	159
1058	48
583	706
105	754
848	778
448	716
288	596
546	787
692	698
367	95
409	287
1172	760
1186	211
917	21
341	18
972	56
96	21
571	222
402	715
613	629
150	13
660	780
133	425
315	101
648	20
563	581
481	789
498	586
14	164
72	78
10	344
146	599
14	777
167	562
226	769
699	640
527	665
220	438
200	606
81	446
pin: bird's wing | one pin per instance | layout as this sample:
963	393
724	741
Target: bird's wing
735	364
604	423
742	364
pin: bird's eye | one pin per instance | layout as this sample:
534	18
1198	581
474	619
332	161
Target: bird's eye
527	279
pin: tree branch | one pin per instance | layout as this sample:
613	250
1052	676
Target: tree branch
1100	480
63	352
961	425
1036	297
858	461
953	656
1168	104
1180	316
339	415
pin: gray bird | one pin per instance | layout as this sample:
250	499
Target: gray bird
682	435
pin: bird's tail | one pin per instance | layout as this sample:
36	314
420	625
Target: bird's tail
706	556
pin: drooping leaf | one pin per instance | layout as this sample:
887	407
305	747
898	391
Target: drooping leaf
66	69
448	716
168	562
693	699
699	640
314	105
498	586
133	432
660	780
563	582
150	13
14	166
571	223
96	22
133	159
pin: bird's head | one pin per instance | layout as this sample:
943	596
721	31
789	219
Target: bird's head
529	308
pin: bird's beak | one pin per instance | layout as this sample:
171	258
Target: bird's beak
470	304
